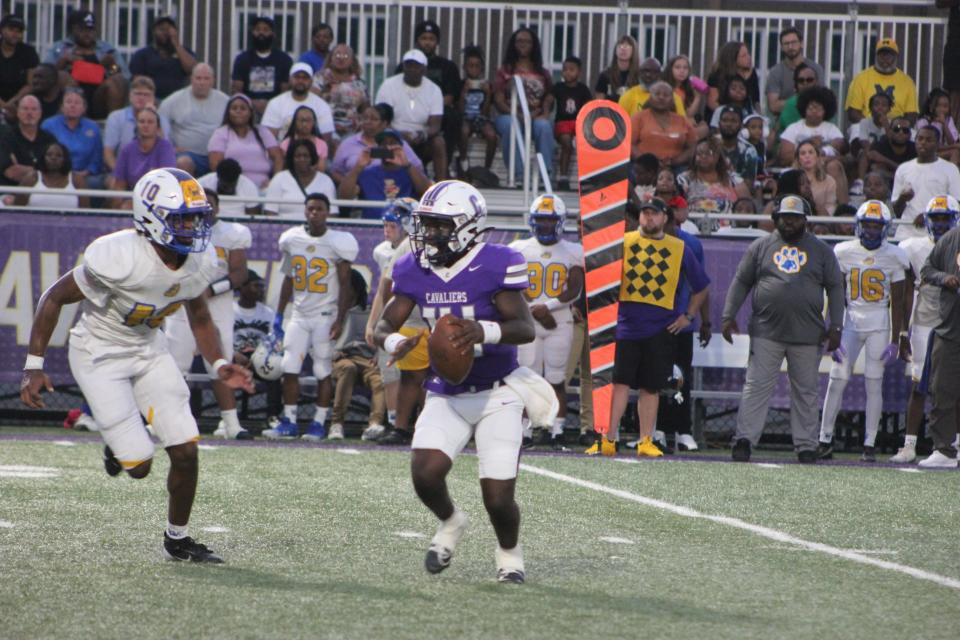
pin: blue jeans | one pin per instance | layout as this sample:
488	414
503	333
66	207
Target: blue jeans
541	136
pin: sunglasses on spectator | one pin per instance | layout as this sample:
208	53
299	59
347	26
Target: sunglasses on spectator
803	80
899	128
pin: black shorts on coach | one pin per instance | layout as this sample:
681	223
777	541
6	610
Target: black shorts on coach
645	364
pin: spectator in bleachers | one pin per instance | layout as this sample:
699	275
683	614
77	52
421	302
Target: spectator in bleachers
17	60
637	96
445	74
262	71
741	155
804	77
321	37
936	113
920	180
304	127
868	131
623	72
165	60
250	144
278	115
476	100
733	94
299	178
754	128
709	185
252	320
883	76
354	359
817	106
194	113
733	59
780	77
373	120
823	188
876	186
392	178
657	129
228	180
524	58
148	151
22	145
340	84
45	85
570	96
690	90
54	181
418	106
121	125
668	190
891	150
96	66
643	176
80	136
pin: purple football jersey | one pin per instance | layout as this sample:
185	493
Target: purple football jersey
466	290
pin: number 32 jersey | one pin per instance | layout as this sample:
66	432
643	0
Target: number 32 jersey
311	262
549	269
868	275
129	290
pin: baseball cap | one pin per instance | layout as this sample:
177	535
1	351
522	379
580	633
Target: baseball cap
165	19
887	43
415	55
388	133
82	18
426	26
301	67
793	205
654	203
264	19
13	20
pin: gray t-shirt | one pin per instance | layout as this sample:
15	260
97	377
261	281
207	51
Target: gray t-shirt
788	282
944	261
193	121
780	78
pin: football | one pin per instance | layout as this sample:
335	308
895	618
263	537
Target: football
450	364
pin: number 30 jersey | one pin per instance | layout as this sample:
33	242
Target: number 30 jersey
311	262
129	290
868	276
548	267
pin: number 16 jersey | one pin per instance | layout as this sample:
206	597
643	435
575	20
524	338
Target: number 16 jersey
311	262
868	275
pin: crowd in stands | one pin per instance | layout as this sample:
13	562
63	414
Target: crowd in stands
724	143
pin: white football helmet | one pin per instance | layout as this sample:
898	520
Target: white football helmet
267	358
941	215
170	208
400	211
546	217
872	211
450	201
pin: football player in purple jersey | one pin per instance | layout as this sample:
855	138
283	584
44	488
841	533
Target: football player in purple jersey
452	272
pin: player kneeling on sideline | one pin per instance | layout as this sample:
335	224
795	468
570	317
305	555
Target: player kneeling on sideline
316	262
231	241
939	217
555	270
452	272
874	273
129	282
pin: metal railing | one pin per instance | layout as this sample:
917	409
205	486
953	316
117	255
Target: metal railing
519	97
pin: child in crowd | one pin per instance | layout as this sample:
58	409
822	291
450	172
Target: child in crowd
668	190
936	113
475	101
734	94
754	125
570	96
644	178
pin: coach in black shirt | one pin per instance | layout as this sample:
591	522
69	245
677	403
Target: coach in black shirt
17	59
22	145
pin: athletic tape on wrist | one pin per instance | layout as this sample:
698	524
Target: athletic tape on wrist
392	342
33	362
491	331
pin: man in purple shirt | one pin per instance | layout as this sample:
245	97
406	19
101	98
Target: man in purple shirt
451	272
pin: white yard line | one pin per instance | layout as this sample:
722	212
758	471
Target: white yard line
766	532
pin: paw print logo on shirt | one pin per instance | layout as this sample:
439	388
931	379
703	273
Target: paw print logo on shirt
790	259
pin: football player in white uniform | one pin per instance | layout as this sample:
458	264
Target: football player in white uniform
874	273
316	261
555	269
230	241
129	282
452	272
414	366
939	217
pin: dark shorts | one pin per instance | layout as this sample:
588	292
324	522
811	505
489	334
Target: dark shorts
477	124
951	66
645	364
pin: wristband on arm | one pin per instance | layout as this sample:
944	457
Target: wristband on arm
221	286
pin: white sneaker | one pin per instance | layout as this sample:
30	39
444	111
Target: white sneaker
373	432
660	438
86	423
336	432
685	442
221	430
445	541
938	461
904	455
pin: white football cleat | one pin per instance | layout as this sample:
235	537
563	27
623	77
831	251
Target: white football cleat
336	431
938	461
373	432
445	541
904	455
221	430
510	565
86	423
685	442
660	438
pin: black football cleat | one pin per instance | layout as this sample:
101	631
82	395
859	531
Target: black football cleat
825	451
187	549
396	437
511	576
526	443
869	454
110	463
807	456
741	450
587	438
438	558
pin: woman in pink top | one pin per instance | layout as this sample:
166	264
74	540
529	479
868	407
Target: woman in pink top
340	84
251	145
304	127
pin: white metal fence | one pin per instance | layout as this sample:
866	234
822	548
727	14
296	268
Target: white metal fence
380	30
